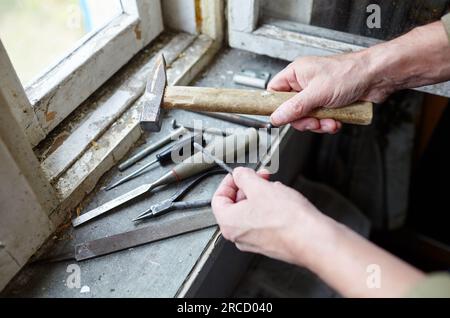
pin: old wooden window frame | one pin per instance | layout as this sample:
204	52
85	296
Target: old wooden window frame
248	30
60	181
62	88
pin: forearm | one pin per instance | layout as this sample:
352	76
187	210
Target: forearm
420	57
342	259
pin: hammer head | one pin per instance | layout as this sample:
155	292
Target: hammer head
153	96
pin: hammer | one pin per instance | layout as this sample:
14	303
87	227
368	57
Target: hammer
225	100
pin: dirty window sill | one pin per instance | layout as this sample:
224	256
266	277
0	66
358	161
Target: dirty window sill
170	268
105	127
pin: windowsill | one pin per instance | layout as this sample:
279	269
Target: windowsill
170	268
289	40
105	127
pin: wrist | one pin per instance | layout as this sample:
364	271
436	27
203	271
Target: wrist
313	239
418	58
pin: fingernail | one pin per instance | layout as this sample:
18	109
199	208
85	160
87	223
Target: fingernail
278	117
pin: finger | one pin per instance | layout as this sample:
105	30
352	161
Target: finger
230	216
240	196
295	108
225	193
329	126
263	173
280	82
307	123
249	182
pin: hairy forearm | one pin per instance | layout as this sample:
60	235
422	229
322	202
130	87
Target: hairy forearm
342	258
420	57
354	266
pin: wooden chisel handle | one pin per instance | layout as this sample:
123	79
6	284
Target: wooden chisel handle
254	102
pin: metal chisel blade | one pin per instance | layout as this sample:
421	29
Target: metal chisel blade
148	234
111	205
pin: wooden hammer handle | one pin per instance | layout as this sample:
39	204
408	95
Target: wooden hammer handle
255	103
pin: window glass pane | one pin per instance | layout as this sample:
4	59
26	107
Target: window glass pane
39	33
381	19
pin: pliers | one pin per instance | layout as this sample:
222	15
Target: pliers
172	204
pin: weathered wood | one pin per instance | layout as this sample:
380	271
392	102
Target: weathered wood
289	40
180	15
110	107
16	143
150	19
254	103
15	96
26	197
199	54
81	177
212	20
318	32
68	84
156	270
294	10
243	15
25	224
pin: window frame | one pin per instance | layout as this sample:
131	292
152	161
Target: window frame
248	30
59	189
63	87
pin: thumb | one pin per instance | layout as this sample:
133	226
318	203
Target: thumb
263	173
248	182
297	107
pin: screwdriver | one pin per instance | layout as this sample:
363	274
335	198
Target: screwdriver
153	147
189	167
163	158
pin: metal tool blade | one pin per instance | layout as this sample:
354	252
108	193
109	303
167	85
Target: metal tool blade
148	234
111	204
132	175
153	97
219	162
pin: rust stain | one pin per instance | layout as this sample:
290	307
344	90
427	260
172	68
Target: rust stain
95	145
198	15
50	116
57	142
138	32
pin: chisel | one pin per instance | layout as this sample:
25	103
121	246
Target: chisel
163	158
230	145
153	147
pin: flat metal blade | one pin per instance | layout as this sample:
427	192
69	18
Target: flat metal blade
108	206
148	234
153	97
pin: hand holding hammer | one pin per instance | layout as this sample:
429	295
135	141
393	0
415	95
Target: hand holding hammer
225	100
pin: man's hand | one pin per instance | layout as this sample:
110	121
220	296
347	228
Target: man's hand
267	217
418	58
322	82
